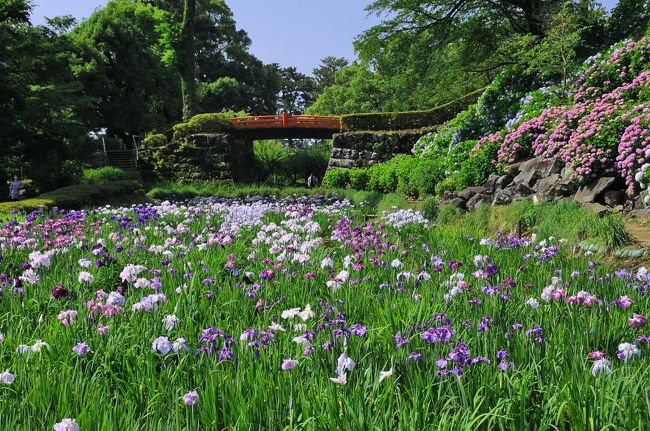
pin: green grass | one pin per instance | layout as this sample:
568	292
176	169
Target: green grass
109	174
563	219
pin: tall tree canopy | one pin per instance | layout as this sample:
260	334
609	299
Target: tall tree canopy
228	76
40	99
297	91
424	45
325	73
119	64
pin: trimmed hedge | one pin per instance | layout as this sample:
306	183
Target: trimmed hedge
81	195
27	205
408	120
203	123
157	140
74	197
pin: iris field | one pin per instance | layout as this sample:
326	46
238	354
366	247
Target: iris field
304	313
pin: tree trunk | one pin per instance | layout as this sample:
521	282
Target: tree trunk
534	16
186	60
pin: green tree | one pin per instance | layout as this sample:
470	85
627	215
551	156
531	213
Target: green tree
356	89
427	52
221	53
270	154
628	19
180	53
15	11
324	74
555	54
297	91
40	99
119	64
186	62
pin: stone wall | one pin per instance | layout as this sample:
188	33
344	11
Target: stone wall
202	157
364	149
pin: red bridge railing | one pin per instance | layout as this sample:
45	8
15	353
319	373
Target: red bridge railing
284	120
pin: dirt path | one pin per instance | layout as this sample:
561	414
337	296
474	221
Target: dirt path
640	233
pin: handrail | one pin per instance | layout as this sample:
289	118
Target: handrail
284	121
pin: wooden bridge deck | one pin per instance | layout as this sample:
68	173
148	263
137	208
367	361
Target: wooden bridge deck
286	126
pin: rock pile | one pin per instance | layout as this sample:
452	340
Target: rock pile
545	181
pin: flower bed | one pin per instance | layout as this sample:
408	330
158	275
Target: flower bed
252	312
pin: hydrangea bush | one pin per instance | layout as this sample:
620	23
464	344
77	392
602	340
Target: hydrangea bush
604	128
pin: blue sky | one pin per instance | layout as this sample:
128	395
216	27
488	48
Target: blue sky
290	32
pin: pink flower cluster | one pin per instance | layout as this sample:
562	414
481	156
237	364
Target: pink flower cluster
602	133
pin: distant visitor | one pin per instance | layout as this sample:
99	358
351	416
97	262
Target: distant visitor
16	189
312	181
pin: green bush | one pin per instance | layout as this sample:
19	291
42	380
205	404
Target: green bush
448	185
476	168
448	213
430	208
428	172
71	173
204	123
157	140
74	197
109	174
181	130
336	178
408	120
405	170
359	178
382	178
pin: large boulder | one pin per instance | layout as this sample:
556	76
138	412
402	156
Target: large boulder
593	192
535	169
502	182
469	192
505	196
477	201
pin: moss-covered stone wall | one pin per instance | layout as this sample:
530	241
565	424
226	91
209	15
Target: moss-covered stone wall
364	149
201	157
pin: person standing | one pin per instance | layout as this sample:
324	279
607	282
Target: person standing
16	189
312	181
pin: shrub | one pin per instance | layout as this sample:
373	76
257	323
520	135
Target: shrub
408	120
430	208
181	130
476	169
27	205
109	174
405	169
448	185
382	178
428	172
336	178
157	140
71	173
204	123
359	178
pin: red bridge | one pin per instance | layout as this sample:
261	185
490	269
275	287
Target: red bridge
285	126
